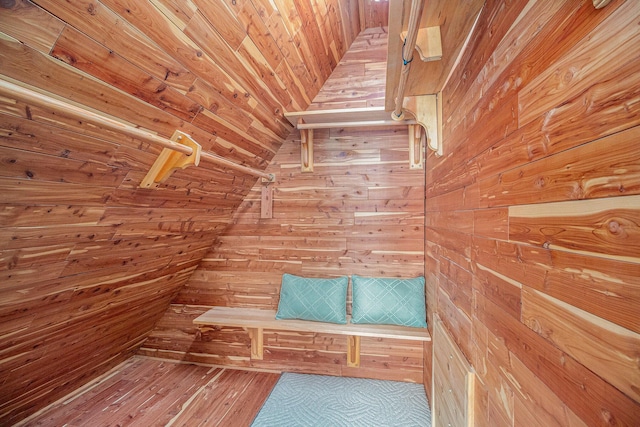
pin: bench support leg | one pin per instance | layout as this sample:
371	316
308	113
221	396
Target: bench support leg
353	351
257	342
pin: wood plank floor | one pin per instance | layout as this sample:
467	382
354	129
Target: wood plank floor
150	392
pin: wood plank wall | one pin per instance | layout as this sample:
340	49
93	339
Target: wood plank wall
359	212
533	213
90	262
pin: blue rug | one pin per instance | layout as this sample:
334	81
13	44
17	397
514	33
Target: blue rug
318	400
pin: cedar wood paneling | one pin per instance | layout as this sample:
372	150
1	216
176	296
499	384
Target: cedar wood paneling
359	212
89	262
532	214
531	218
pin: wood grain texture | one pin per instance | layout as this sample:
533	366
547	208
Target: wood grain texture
89	262
607	349
143	391
359	212
455	20
534	205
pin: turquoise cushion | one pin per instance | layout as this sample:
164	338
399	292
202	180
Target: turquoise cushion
322	300
388	301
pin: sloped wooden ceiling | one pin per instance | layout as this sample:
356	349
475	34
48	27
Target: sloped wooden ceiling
89	261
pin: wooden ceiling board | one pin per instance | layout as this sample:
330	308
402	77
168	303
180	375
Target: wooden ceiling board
89	261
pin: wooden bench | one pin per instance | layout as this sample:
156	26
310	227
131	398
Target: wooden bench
255	321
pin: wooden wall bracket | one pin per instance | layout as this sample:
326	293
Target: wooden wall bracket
169	160
428	112
306	148
428	43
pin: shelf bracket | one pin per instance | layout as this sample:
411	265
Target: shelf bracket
306	148
427	111
169	161
428	43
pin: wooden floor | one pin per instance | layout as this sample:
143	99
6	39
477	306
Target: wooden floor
149	392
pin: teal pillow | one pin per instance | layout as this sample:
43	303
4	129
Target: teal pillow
322	300
388	301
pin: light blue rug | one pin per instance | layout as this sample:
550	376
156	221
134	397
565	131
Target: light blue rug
318	400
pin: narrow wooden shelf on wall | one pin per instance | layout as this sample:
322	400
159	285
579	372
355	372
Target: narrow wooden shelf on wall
307	121
341	118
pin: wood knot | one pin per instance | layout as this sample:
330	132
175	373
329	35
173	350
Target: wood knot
614	227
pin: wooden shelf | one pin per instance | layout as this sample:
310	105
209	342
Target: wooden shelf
347	117
255	321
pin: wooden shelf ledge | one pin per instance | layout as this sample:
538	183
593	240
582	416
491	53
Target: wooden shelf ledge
307	121
255	321
347	117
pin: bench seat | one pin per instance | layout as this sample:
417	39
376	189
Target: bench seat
255	321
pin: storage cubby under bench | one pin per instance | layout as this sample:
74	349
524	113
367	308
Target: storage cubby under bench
255	321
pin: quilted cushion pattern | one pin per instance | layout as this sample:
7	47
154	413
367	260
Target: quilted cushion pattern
321	300
389	301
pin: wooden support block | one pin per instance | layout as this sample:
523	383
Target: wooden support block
416	147
266	201
353	351
257	342
306	148
428	43
170	160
